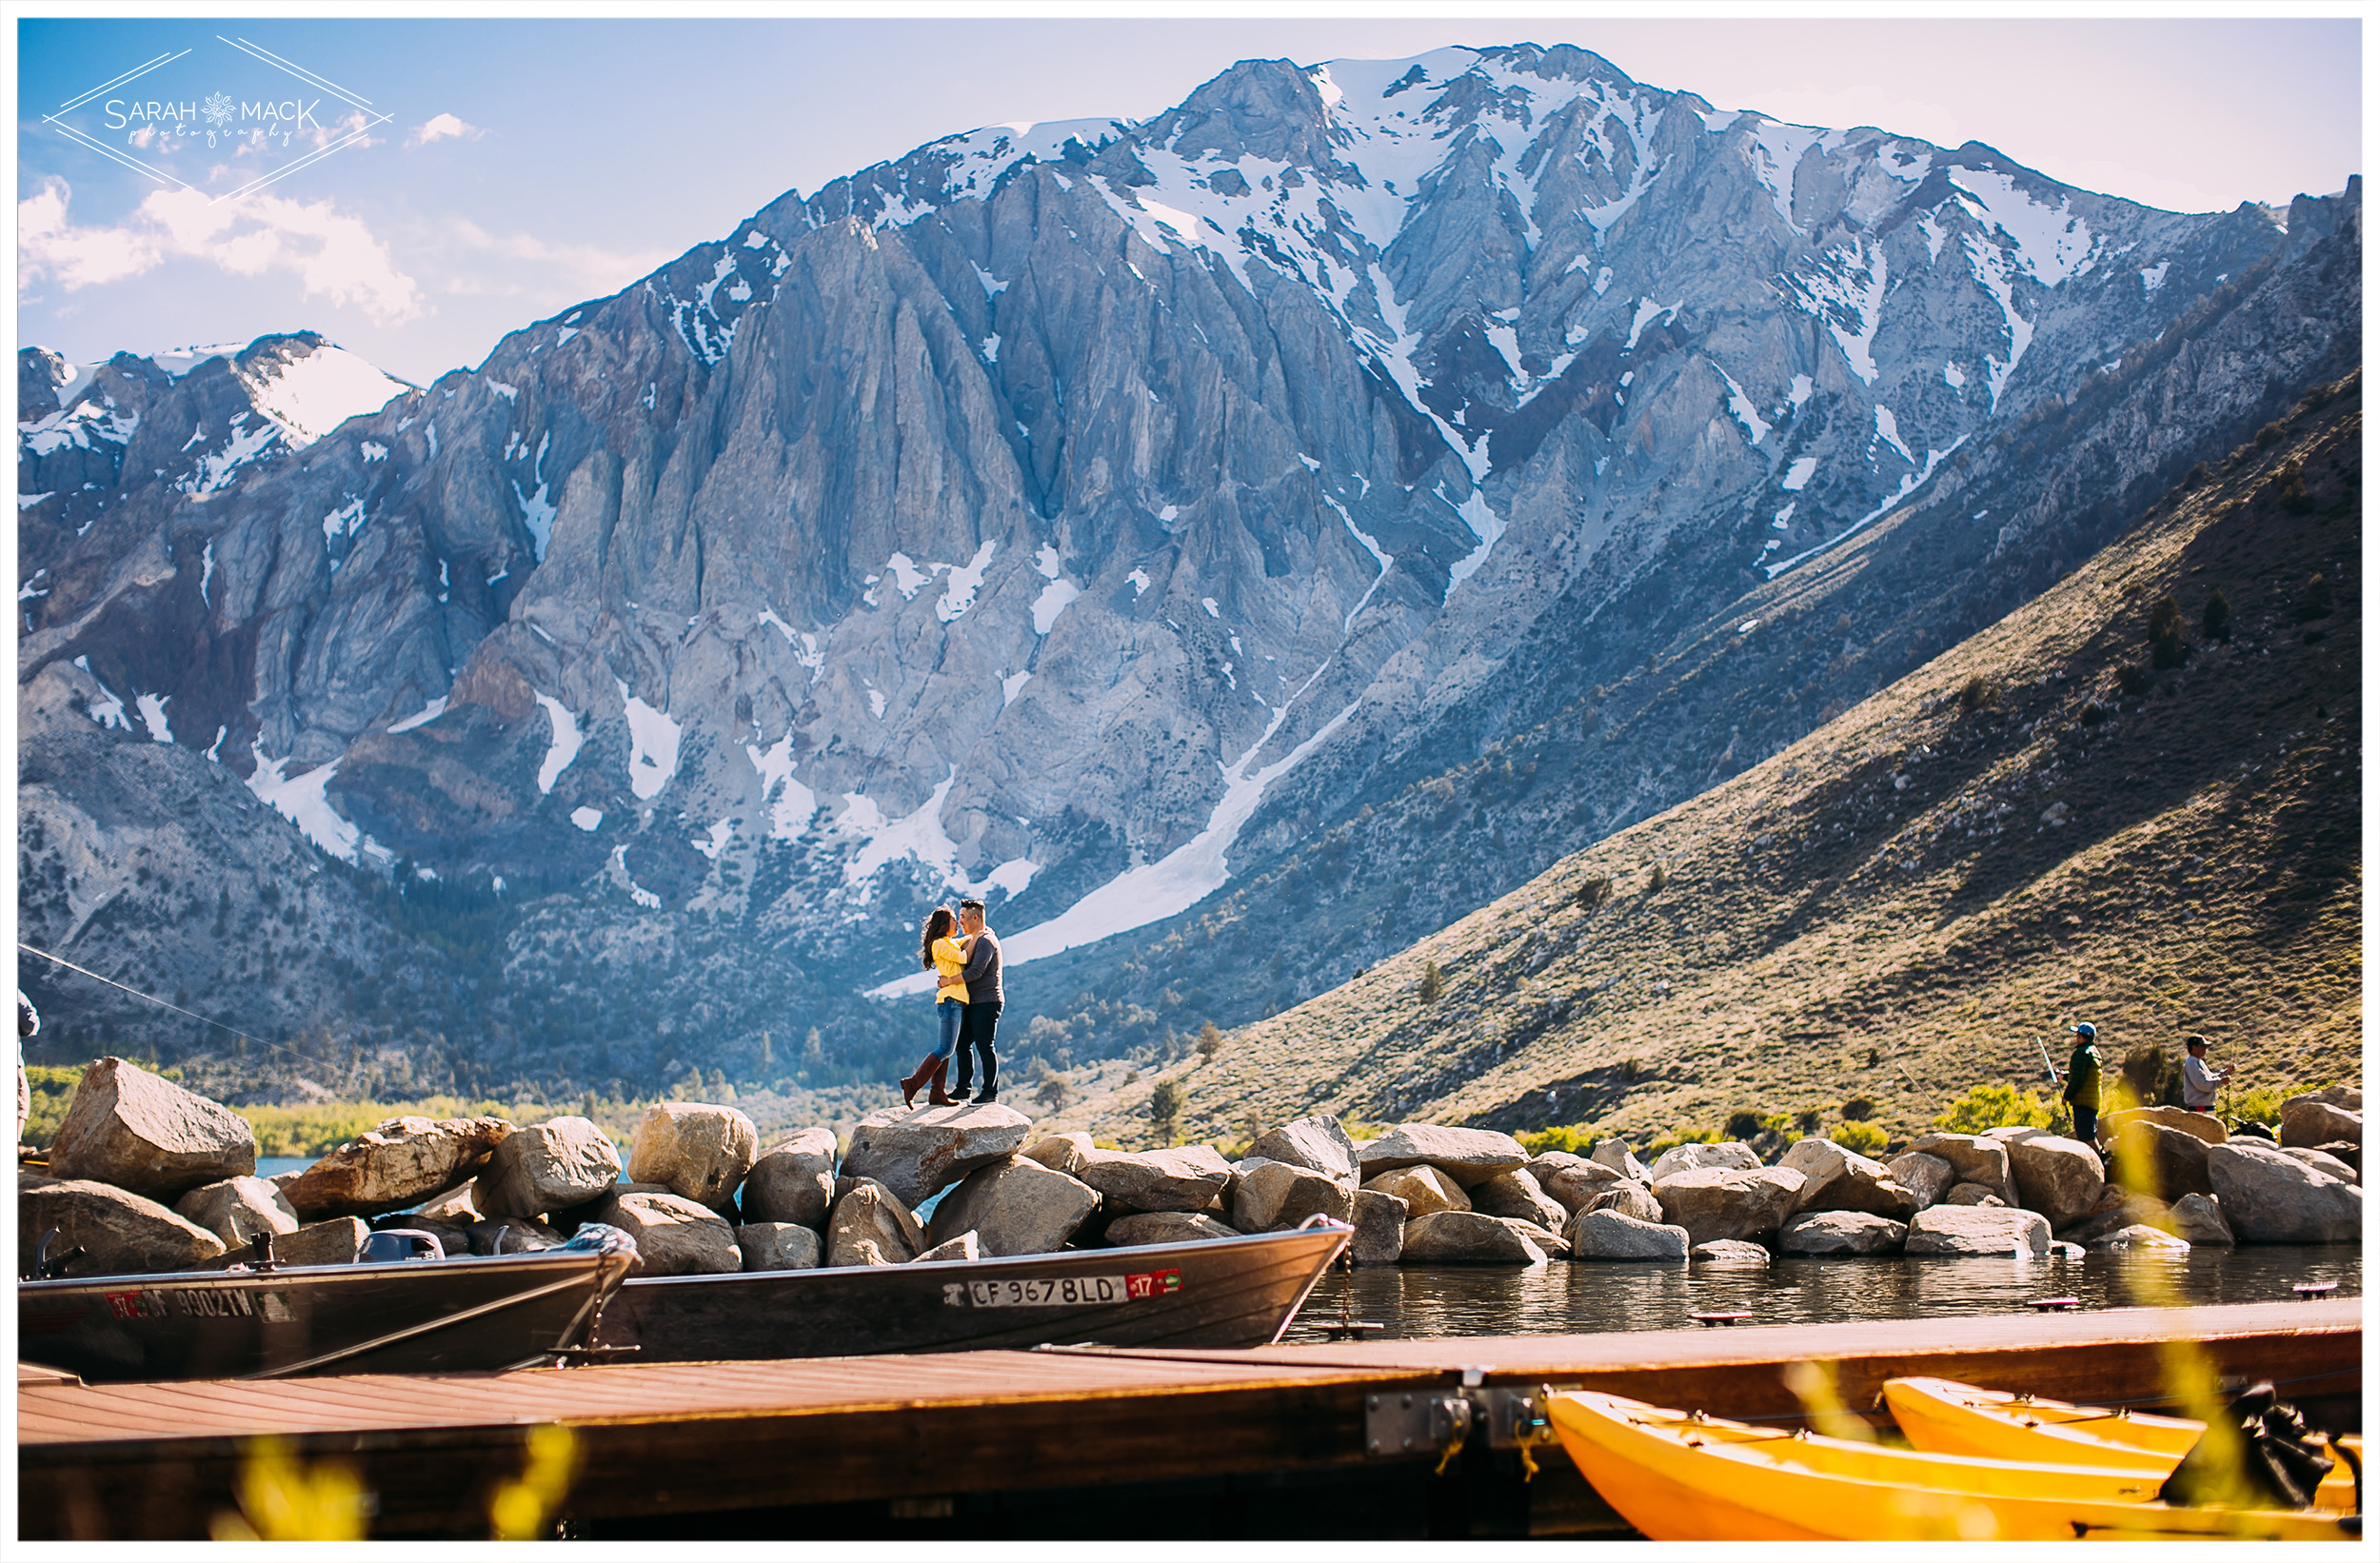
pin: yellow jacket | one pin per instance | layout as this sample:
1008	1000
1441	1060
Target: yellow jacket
950	958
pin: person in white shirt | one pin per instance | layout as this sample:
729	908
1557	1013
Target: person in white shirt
2199	1083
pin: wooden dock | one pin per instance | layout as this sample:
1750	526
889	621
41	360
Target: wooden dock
1305	1440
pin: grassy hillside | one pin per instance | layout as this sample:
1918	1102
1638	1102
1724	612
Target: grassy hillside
2042	824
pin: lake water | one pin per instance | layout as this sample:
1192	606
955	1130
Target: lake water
1560	1298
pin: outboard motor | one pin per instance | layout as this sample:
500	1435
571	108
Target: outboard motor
395	1244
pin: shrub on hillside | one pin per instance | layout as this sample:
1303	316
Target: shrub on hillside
1594	892
1681	1137
2166	646
1432	982
1743	1124
1165	1105
1994	1106
2215	623
1859	1109
2132	679
1576	1138
1659	880
1807	1120
2091	714
1975	694
2319	600
1860	1138
53	1092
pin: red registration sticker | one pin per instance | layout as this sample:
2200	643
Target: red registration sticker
1150	1284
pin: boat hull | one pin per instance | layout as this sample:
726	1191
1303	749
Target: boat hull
1677	1478
453	1316
1946	1417
1226	1291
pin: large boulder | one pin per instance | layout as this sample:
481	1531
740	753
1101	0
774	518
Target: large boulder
2197	1219
1714	1202
964	1249
675	1236
1467	1155
120	1233
869	1213
2059	1177
1844	1179
793	1180
1163	1226
512	1234
1728	1155
1976	1158
1977	1231
1316	1144
1380	1222
1927	1177
1425	1191
1629	1198
1840	1231
1971	1194
695	1150
1516	1194
1271	1195
1609	1235
455	1205
2202	1127
1015	1206
130	1128
237	1209
402	1163
917	1151
1615	1154
2271	1196
338	1241
1573	1183
778	1245
2310	1120
2114	1210
2155	1158
2138	1238
1465	1237
2323	1160
1187	1177
1727	1251
1061	1152
550	1166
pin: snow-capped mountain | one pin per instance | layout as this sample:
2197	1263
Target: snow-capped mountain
1091	516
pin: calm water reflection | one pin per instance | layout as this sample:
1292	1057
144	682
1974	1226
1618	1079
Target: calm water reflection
1560	1298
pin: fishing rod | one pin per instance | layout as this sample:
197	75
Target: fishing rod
244	1036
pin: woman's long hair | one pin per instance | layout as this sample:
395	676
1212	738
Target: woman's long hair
937	923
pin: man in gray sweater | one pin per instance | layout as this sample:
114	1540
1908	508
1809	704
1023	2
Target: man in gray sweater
984	1000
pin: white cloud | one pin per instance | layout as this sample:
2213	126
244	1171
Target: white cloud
442	128
563	270
331	254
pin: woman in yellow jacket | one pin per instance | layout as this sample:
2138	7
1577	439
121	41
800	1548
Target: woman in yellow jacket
944	952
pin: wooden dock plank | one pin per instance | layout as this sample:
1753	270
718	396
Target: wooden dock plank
658	1439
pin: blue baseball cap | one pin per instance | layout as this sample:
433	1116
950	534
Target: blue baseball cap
2087	1032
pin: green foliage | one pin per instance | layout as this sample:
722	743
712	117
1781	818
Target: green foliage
1357	1128
1576	1138
1743	1124
312	1128
1993	1107
1859	1109
1166	1104
1807	1120
2166	646
1432	982
1977	693
2215	623
1680	1135
1210	1040
53	1091
1862	1138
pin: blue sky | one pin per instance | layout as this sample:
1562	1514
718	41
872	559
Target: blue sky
526	165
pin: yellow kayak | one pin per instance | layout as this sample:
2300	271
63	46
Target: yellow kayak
1945	1417
1684	1476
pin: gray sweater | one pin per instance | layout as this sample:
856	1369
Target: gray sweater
983	974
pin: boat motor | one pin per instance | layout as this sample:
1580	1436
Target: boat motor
395	1244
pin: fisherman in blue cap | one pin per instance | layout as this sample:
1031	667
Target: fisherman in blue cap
2082	1081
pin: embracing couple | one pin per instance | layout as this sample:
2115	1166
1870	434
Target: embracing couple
965	956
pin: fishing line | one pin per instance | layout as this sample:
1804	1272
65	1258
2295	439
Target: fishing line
177	1009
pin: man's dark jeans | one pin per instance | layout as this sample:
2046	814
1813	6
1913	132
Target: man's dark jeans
2086	1122
983	1020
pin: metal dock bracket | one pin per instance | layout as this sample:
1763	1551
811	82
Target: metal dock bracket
1422	1422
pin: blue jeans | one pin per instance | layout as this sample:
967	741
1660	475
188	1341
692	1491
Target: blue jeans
953	1016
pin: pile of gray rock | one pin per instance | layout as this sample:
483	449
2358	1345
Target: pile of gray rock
149	1177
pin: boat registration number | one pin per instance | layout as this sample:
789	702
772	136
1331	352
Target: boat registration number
1063	1291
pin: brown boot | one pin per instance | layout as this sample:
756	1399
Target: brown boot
910	1086
938	1097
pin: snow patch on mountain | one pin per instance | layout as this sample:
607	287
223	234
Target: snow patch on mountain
561	748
